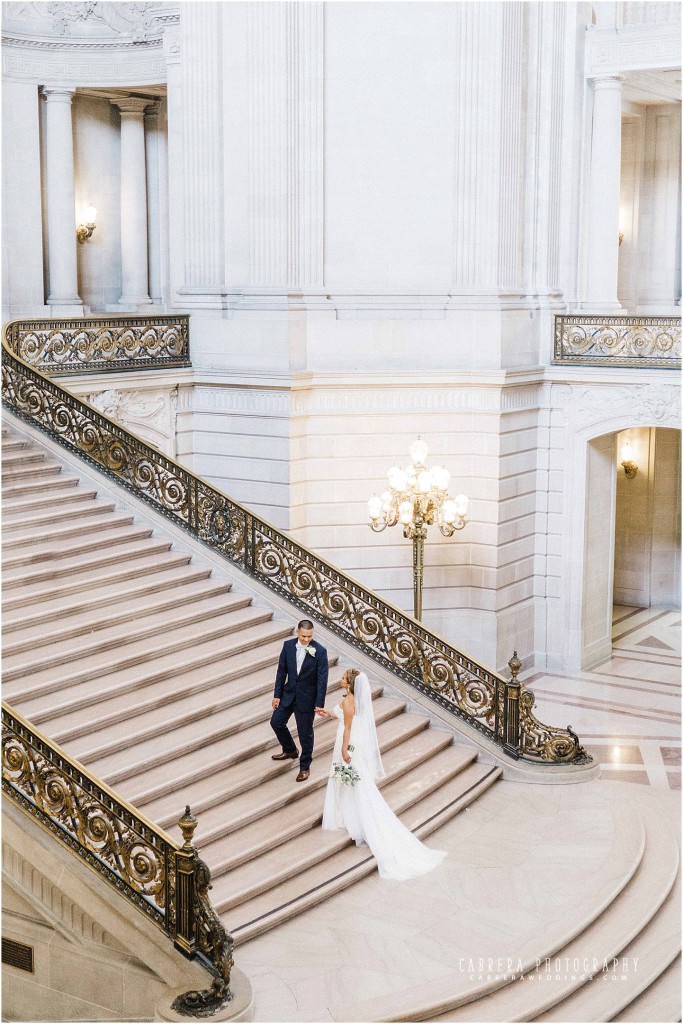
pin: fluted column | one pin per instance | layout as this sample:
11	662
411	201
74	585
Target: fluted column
134	250
61	198
604	196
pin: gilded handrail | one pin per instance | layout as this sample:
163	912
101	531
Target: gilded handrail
642	341
316	587
105	344
167	882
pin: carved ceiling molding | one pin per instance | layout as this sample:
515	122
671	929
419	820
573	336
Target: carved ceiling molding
94	24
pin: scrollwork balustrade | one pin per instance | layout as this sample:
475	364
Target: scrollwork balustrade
167	882
466	689
642	341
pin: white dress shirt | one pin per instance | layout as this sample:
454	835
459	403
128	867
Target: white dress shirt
300	655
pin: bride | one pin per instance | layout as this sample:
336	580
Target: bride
356	804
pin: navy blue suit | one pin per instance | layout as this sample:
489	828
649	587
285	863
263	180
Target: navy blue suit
300	694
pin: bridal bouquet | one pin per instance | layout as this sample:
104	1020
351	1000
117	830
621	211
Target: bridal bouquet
345	773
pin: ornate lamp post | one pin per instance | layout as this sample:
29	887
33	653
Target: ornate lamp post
417	498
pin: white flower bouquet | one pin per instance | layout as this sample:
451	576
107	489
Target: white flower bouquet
345	773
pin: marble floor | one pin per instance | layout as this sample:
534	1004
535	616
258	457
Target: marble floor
626	710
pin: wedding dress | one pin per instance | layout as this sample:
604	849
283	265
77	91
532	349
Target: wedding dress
361	809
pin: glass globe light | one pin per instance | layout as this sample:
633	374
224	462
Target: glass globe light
397	479
626	452
375	507
461	503
449	512
405	512
424	482
418	451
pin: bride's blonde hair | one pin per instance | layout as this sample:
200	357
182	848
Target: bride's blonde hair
351	674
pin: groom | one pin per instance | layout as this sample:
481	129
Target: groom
300	688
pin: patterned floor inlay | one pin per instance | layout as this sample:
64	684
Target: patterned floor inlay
626	710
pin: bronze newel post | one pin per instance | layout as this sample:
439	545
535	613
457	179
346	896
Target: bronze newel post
512	729
186	862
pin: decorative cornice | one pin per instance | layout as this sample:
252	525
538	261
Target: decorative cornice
80	45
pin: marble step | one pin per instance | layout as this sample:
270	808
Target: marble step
26	470
152	628
17	509
20	457
291	810
233	827
92	668
144	565
50	482
185	696
53	552
348	864
79	509
88	524
660	1003
49	631
215	762
605	932
166	666
78	564
125	590
13	444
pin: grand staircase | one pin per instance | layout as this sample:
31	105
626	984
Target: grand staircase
151	671
145	663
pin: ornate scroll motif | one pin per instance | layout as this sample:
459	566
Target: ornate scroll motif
380	630
79	345
618	341
542	742
72	805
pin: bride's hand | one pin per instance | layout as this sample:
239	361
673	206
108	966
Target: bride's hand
346	757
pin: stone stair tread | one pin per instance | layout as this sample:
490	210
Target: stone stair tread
306	843
187	693
16	508
124	662
27	469
193	725
125	590
43	633
144	565
15	458
656	945
238	812
55	552
660	1003
80	564
50	481
347	863
212	762
166	666
602	934
13	444
76	510
95	523
122	636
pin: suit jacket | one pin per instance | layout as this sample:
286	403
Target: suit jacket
308	686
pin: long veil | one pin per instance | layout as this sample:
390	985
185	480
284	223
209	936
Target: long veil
365	725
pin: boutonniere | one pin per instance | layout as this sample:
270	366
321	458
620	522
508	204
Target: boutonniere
310	650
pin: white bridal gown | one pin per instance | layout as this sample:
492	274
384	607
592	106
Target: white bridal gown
363	812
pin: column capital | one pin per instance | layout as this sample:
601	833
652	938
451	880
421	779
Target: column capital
132	104
606	81
59	93
152	109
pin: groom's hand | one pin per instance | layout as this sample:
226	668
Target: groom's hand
319	711
275	703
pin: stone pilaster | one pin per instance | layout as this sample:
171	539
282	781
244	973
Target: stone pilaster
134	254
602	235
659	270
154	164
61	202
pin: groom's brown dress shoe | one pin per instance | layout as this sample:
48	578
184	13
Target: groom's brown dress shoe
302	776
286	756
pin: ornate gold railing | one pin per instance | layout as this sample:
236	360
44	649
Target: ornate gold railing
644	341
103	343
496	708
167	882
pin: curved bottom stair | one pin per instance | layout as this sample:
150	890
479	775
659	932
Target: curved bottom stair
153	673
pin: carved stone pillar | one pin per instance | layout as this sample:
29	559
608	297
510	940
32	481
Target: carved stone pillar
134	249
604	197
61	202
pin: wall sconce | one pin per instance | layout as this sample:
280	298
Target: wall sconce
621	237
84	231
630	468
